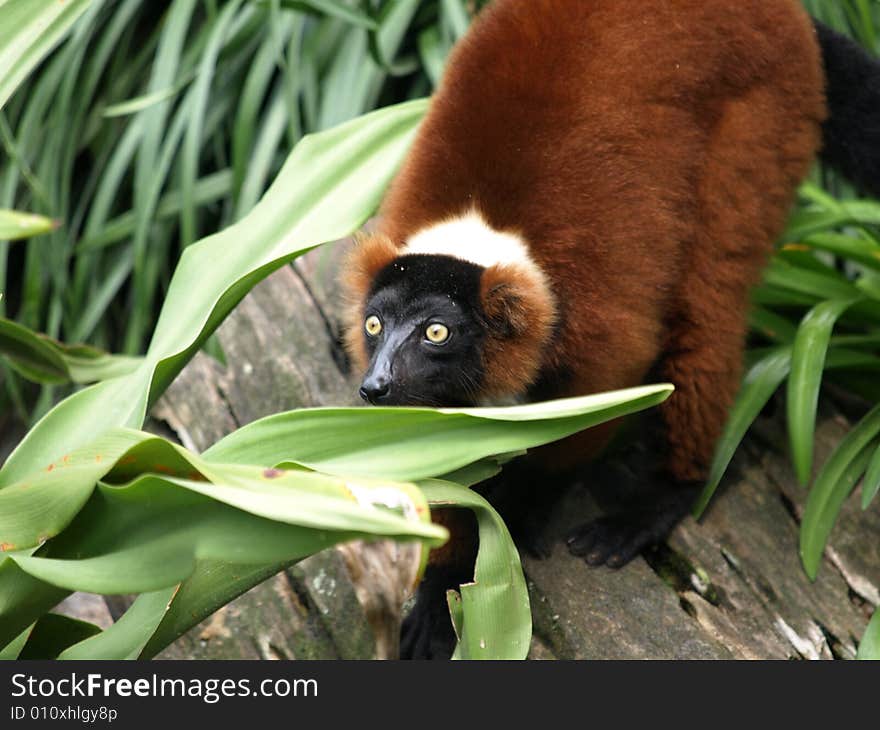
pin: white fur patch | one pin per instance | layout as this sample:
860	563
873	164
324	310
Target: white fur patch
469	238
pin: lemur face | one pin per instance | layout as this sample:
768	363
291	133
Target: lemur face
438	322
424	333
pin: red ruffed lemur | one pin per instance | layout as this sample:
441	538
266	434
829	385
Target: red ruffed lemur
593	192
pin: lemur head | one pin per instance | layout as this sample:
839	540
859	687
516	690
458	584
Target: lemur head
457	315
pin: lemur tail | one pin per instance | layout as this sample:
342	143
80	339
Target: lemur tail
851	134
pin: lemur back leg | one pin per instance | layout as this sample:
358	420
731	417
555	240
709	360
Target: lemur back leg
743	204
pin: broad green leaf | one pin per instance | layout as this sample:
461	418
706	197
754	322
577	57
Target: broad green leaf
12	650
869	648
54	633
43	360
416	443
494	620
149	534
39	508
871	483
330	184
128	636
23	599
29	31
211	585
759	384
15	226
833	485
807	366
31	354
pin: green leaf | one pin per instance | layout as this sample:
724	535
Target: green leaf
128	636
211	585
809	222
417	443
494	620
31	354
12	650
805	281
158	530
759	384
861	249
23	599
457	14
332	8
772	326
869	648
15	226
871	483
833	485
43	360
41	507
54	633
30	30
807	367
330	184
145	101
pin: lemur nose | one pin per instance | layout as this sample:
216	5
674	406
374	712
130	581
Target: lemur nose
375	389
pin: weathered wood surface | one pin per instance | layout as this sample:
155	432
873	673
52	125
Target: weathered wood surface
728	587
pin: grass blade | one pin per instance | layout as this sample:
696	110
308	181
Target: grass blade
833	485
869	647
760	383
871	483
15	226
807	366
30	30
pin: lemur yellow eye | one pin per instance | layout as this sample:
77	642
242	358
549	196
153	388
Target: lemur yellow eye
437	333
373	325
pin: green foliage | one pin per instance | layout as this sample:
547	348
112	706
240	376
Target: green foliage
132	513
182	137
175	115
870	646
15	226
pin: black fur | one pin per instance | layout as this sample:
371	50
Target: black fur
614	540
411	293
851	134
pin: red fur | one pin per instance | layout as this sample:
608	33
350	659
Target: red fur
371	254
648	153
519	307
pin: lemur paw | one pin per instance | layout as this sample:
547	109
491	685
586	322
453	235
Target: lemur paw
613	541
616	539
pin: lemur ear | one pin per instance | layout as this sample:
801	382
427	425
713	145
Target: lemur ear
520	314
371	254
